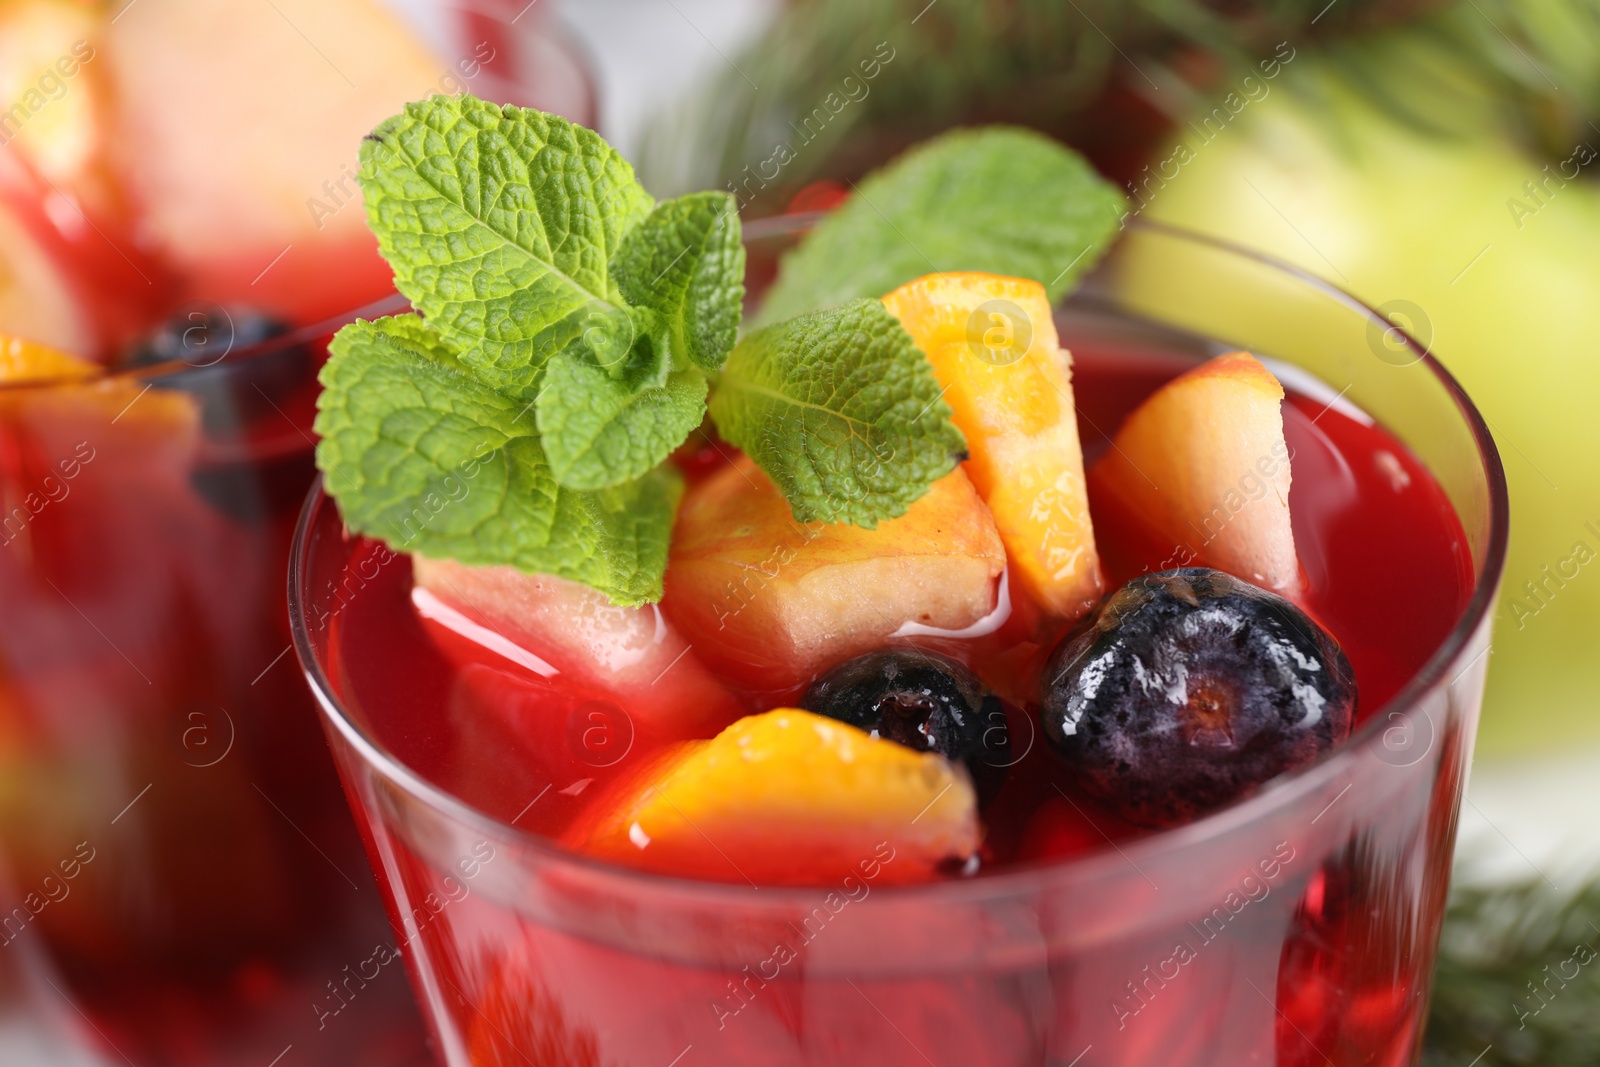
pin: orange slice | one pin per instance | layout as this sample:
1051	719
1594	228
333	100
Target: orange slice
992	342
789	798
23	361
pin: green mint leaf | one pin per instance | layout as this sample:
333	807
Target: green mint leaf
598	431
686	263
500	224
996	199
842	411
420	452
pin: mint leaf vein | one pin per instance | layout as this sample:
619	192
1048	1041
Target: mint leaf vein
500	223
841	409
434	461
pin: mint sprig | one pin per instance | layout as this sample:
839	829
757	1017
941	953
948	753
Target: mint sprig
686	263
997	199
500	224
571	328
421	453
841	409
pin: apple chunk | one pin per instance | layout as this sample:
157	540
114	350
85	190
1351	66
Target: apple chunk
237	134
561	629
1203	465
37	298
770	602
992	342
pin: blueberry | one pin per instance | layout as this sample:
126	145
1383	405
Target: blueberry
206	334
924	701
238	363
251	379
1188	688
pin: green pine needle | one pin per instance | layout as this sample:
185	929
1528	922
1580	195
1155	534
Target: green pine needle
1530	67
1518	982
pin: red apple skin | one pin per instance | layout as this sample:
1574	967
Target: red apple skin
1201	467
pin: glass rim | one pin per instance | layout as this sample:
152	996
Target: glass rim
169	369
1022	880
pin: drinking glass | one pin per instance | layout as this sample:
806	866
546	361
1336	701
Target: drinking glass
1298	926
180	878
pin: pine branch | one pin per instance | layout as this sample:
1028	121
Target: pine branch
1037	62
1518	981
1530	70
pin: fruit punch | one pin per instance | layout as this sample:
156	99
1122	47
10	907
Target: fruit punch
935	667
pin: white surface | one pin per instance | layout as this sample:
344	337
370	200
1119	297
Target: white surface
1533	818
644	53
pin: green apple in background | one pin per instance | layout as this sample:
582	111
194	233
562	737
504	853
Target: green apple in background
1500	251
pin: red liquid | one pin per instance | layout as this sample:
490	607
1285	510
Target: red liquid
1338	944
177	850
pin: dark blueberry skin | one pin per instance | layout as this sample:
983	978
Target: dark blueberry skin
1189	688
244	370
205	335
237	363
924	701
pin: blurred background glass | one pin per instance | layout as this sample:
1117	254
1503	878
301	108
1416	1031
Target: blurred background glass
180	879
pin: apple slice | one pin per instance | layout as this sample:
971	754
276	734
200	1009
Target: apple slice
55	121
37	298
238	127
788	798
992	342
1203	465
770	603
553	627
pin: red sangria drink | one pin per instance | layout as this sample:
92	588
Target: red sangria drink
180	869
988	679
180	879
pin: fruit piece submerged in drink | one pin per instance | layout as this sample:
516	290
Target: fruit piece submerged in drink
157	788
866	653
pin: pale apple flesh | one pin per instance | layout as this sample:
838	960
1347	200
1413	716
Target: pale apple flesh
1203	465
192	150
548	624
771	603
37	300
